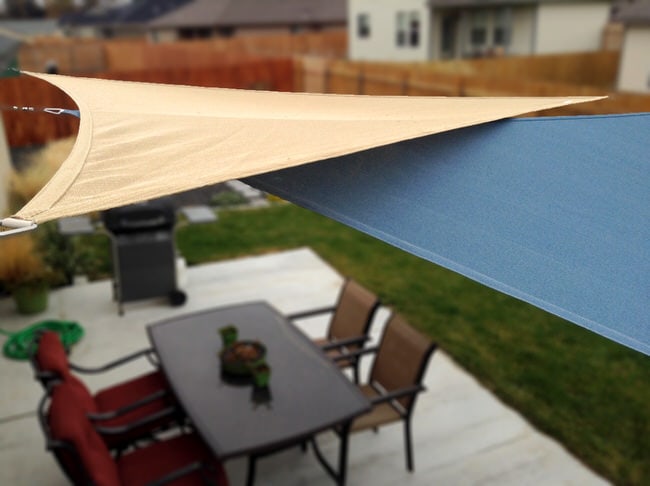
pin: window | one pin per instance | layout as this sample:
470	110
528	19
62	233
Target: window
194	33
489	33
226	31
363	25
450	23
478	30
408	29
501	34
414	29
401	29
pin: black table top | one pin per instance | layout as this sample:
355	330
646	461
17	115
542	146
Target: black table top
307	393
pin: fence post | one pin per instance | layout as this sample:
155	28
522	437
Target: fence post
326	78
361	80
73	59
406	84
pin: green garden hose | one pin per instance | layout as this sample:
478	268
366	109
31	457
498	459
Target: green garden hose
17	346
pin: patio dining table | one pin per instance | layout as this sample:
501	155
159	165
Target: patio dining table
306	393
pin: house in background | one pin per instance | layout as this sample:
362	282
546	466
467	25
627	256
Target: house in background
226	18
422	30
22	30
634	67
116	19
169	20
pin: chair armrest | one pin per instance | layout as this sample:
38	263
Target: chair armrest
357	353
341	343
46	375
128	408
311	313
123	429
395	394
118	362
178	473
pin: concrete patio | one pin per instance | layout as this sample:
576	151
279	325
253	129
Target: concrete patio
462	433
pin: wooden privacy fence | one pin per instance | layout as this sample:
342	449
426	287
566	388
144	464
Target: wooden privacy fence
78	56
598	69
89	56
122	56
267	74
346	77
37	128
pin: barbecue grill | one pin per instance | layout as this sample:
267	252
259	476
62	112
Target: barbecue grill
144	252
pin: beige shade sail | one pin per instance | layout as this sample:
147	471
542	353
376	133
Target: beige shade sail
140	141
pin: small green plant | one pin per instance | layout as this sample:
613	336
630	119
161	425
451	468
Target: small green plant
228	335
228	199
24	273
59	253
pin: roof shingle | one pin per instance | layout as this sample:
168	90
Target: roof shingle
200	13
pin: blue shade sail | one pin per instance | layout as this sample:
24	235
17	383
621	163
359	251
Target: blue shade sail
553	211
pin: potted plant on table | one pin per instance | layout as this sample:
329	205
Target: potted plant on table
24	273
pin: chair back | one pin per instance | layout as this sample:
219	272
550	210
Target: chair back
50	362
401	359
354	311
49	357
79	449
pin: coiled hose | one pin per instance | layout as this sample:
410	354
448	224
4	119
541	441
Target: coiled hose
18	344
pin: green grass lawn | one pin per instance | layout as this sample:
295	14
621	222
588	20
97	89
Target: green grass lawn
589	393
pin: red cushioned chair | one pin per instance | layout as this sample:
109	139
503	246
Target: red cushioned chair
82	454
122	413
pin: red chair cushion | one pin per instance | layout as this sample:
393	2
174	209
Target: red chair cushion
131	391
144	465
51	355
82	395
68	422
127	393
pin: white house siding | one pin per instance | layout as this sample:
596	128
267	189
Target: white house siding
575	27
634	67
381	43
